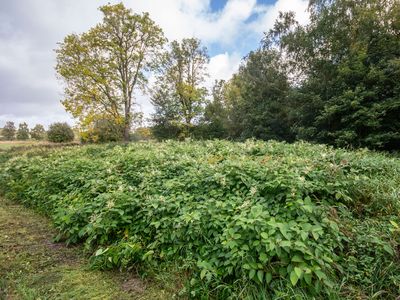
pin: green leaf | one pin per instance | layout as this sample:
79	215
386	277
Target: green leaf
260	275
252	273
268	277
308	278
263	257
304	235
283	229
297	258
321	275
293	278
298	271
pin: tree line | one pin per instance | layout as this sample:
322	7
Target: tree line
334	80
57	133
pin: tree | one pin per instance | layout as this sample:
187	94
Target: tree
23	132
38	132
103	131
9	131
214	123
60	133
102	67
257	98
179	94
142	134
349	61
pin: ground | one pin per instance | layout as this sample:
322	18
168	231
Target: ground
6	145
32	266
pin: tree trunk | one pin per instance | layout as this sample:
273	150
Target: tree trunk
126	132
127	124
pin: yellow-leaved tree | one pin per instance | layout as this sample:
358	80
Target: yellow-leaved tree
102	67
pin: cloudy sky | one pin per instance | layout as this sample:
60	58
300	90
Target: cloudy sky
30	30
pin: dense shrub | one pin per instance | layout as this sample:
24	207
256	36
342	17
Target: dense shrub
103	131
246	219
60	133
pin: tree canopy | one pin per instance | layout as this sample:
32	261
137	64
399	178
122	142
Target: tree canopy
179	93
38	132
23	132
334	80
9	131
102	67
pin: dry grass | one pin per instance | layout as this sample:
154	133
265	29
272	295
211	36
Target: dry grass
6	145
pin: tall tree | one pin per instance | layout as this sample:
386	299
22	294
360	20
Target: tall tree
349	59
9	131
214	123
38	132
179	93
257	98
102	68
23	132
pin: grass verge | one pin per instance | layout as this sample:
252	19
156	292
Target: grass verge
33	267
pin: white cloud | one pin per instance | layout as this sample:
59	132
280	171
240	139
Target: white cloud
222	66
267	14
30	30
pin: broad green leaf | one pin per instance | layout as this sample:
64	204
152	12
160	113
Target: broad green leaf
260	275
298	271
263	257
268	277
297	258
293	278
252	273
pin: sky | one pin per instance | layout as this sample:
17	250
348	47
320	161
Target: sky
31	29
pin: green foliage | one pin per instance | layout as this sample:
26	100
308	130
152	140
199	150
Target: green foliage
103	66
103	131
261	109
23	132
214	123
179	94
346	64
142	134
9	131
38	132
241	219
60	133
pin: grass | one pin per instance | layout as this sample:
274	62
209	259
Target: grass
33	267
7	145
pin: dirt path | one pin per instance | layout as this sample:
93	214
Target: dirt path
33	267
